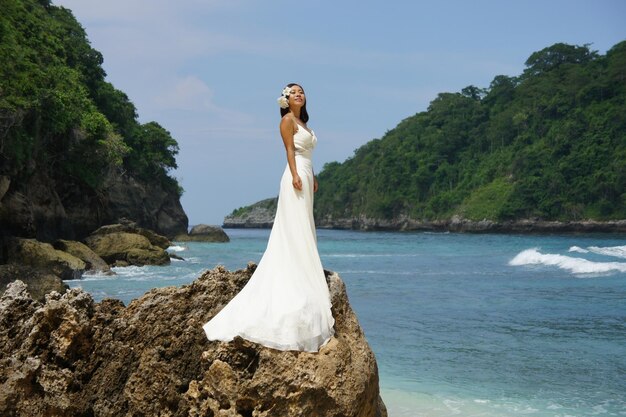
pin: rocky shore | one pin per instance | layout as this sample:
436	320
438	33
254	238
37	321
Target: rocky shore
43	266
72	356
460	225
261	216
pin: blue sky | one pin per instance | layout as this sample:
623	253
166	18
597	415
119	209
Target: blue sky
209	71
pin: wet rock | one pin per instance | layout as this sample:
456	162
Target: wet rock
204	233
43	255
93	262
130	227
71	356
122	247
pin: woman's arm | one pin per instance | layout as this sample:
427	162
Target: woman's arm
287	127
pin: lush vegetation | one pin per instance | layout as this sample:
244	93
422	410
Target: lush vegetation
549	143
57	112
269	204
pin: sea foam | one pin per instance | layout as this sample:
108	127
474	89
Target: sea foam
616	251
578	249
177	248
569	263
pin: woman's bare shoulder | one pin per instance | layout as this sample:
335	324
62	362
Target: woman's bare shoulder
288	118
288	121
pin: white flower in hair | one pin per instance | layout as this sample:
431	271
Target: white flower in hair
283	102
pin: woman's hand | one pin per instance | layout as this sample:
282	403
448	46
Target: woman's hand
297	182
315	185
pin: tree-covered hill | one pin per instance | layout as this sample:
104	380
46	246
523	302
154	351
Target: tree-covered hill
70	143
548	144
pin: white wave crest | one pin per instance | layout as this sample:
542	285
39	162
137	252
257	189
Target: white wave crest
132	270
578	249
177	248
616	251
97	275
574	265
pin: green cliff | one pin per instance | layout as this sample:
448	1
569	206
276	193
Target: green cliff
542	151
72	154
549	144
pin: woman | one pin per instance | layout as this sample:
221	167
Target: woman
286	303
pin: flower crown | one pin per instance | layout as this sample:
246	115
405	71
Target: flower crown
283	102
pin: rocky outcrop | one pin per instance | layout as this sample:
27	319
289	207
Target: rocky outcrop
204	233
37	254
461	225
122	249
93	262
126	244
71	356
257	216
131	227
35	205
149	205
38	281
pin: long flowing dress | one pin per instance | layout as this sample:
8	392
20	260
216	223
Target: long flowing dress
286	303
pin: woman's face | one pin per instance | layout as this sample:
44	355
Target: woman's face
297	97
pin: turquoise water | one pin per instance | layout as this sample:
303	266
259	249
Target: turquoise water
461	325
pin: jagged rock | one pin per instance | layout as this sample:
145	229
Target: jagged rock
174	256
92	261
71	356
38	281
132	248
204	233
43	255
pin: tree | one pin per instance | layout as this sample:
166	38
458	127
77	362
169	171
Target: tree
556	55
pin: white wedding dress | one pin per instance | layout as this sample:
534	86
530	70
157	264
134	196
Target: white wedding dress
286	304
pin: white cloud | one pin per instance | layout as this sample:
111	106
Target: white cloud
189	93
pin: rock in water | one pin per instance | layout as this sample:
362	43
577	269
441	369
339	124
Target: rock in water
204	233
37	254
71	356
133	248
81	251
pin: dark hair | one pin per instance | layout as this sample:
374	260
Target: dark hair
304	115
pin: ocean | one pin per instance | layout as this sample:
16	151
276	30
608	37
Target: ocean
473	325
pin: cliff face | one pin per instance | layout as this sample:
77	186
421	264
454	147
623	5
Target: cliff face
41	207
71	356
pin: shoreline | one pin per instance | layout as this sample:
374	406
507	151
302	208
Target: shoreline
455	225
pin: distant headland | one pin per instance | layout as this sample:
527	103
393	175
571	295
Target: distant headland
544	151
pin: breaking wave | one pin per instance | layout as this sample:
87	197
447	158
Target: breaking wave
615	251
568	263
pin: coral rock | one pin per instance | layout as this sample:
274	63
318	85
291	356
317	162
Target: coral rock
71	356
